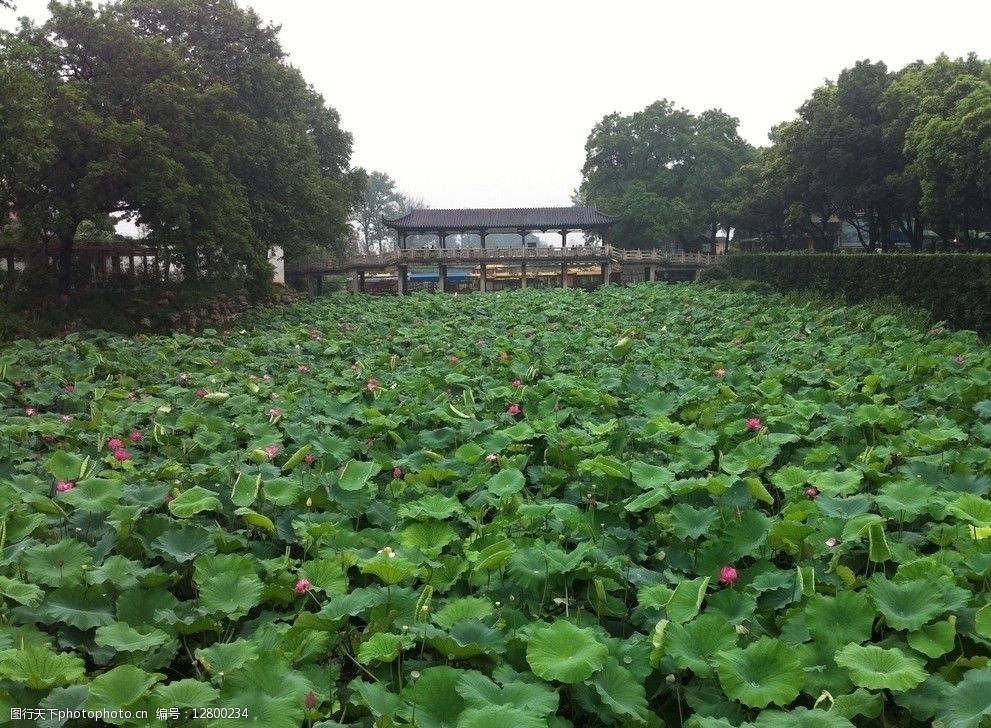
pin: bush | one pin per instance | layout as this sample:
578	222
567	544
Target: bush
712	273
955	288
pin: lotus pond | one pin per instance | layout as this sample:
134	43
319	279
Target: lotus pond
656	505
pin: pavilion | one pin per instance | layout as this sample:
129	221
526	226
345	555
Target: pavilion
519	220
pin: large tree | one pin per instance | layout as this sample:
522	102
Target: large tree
663	170
184	116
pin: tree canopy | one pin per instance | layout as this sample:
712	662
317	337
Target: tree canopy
662	170
180	115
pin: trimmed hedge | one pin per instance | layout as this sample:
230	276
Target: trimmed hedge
956	288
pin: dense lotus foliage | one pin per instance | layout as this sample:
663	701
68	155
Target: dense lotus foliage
657	505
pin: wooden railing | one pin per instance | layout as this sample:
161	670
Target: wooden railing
472	256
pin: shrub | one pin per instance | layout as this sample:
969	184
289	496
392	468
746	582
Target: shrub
955	288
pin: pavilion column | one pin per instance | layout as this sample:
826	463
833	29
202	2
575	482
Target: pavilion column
564	274
354	281
523	274
402	241
442	277
482	280
442	237
115	264
361	281
319	285
402	280
481	235
651	273
606	272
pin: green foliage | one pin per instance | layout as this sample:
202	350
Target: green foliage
952	288
568	564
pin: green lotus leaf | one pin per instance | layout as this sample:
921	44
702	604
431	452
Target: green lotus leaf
120	687
463	608
28	594
94	495
801	718
325	574
565	653
80	607
434	698
40	667
231	594
390	570
499	716
687	599
356	474
911	604
968	703
982	622
60	564
185	544
122	637
65	466
934	640
905	498
695	644
193	501
764	673
226	657
505	483
876	668
479	691
376	697
841	619
620	691
837	482
428	537
972	508
693	523
188	693
650	477
382	647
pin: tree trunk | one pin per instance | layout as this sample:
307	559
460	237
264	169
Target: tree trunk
66	239
189	262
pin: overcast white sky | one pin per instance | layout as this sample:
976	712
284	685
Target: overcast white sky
470	104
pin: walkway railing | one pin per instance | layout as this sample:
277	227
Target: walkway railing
471	256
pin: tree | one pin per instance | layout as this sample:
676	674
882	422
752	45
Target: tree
756	201
949	143
183	116
663	170
380	199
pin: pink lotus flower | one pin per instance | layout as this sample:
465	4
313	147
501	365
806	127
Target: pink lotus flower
491	458
959	358
122	455
719	373
355	368
727	575
737	342
811	491
252	377
30	411
372	384
315	335
303	369
309	459
169	498
63	485
302	586
115	443
274	395
184	377
70	388
132	397
503	356
397	473
513	409
753	423
832	542
136	436
453	359
936	331
66	418
310	701
272	450
267	377
275	413
370	443
517	383
201	393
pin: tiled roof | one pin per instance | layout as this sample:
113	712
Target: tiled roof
513	218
